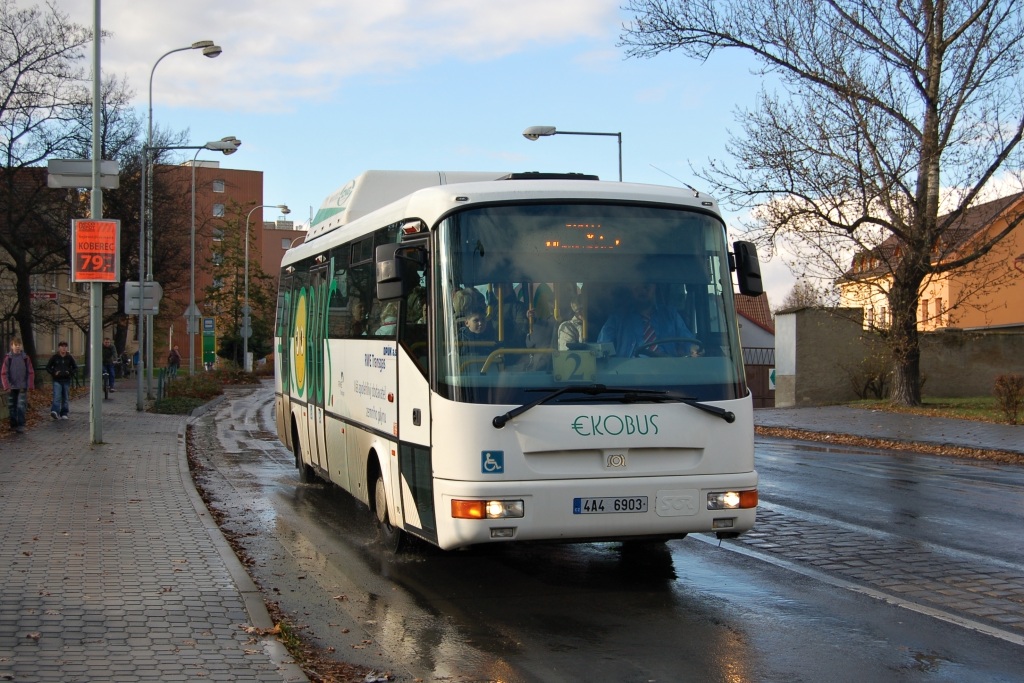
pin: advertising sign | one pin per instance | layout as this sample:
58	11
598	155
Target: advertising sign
95	250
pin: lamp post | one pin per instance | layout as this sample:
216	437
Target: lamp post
534	132
145	228
228	145
246	318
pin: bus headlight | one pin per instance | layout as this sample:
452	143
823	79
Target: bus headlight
487	509
732	500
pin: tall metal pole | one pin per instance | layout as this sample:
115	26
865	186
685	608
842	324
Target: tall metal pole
96	211
193	318
140	331
209	50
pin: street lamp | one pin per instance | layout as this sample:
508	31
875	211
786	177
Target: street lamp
246	319
228	145
534	132
145	227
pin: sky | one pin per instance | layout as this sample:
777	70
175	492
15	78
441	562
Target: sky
321	90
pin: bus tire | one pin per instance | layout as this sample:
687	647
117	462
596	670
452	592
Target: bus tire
306	473
390	536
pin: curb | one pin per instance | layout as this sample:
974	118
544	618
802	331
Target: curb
251	596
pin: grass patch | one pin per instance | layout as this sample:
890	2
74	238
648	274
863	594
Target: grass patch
982	408
184	394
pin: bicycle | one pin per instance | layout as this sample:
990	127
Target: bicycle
106	385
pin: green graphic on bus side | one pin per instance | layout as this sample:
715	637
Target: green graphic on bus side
315	354
299	322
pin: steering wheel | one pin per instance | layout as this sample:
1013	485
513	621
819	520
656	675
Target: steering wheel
669	340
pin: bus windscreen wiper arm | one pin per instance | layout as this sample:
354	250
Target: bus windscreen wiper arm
593	389
629	395
726	415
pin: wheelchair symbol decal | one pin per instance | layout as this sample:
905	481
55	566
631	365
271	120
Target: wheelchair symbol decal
492	462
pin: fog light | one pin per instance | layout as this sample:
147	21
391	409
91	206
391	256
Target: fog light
487	509
503	532
732	500
722	523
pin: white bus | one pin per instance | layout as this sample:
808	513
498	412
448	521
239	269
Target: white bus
488	357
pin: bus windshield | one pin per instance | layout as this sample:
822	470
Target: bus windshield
541	296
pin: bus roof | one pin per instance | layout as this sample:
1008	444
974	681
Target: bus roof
384	197
373	189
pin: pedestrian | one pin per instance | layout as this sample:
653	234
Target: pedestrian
173	362
62	367
18	377
109	361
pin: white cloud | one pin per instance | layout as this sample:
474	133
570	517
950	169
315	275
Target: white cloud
277	52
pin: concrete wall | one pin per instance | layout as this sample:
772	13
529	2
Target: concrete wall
818	350
956	363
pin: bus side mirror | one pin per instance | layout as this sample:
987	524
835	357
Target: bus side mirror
397	270
748	269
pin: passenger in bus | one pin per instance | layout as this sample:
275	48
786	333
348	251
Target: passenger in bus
475	328
504	303
465	299
358	320
416	306
571	331
388	320
637	329
543	328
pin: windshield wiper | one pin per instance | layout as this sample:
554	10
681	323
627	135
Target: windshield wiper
593	389
629	395
634	395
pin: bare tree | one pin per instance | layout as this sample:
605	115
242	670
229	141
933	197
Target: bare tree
886	103
804	294
40	77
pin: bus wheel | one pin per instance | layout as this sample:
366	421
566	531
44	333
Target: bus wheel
390	537
306	473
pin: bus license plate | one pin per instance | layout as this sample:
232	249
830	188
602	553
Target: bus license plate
598	506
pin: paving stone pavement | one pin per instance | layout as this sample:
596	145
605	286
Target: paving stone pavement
882	424
955	583
111	567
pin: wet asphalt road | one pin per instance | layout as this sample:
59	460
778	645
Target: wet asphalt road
864	566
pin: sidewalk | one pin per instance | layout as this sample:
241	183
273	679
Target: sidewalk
111	566
880	424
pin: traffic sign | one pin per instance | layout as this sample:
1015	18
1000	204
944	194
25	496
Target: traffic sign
192	316
78	173
95	250
151	293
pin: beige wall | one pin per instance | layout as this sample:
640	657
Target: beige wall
824	347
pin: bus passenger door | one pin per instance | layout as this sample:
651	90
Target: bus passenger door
415	454
316	332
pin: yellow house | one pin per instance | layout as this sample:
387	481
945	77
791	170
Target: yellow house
986	294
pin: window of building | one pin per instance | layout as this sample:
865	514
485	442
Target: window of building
924	310
218	283
218	211
286	243
939	310
218	185
218	234
217	258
